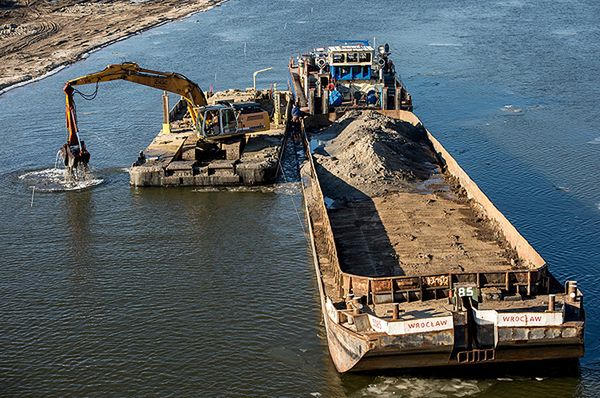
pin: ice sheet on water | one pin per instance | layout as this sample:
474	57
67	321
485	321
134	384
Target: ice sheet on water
511	109
53	180
445	45
423	387
565	32
595	141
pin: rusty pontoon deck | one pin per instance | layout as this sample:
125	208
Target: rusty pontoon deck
181	158
389	264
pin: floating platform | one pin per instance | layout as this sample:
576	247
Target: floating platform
181	158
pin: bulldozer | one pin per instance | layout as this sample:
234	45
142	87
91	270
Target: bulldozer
212	123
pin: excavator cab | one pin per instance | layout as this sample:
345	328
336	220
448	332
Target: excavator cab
217	120
251	117
228	119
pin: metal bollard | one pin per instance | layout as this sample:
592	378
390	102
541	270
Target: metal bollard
395	312
357	306
311	101
349	299
166	123
551	302
572	290
325	102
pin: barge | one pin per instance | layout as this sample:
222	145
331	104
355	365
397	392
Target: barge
415	265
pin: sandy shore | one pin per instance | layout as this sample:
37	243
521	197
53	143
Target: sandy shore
38	36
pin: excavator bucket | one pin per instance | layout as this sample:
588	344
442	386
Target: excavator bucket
76	159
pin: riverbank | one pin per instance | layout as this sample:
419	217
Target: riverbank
38	37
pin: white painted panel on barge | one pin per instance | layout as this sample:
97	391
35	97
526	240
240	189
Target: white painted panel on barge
518	319
423	325
530	319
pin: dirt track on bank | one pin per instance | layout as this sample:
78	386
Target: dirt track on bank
37	36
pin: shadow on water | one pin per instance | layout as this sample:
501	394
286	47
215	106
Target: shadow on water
78	213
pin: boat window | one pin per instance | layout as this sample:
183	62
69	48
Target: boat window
339	58
352	57
364	57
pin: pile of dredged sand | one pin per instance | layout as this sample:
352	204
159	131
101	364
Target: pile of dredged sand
368	154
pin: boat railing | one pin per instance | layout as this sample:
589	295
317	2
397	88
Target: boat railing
436	286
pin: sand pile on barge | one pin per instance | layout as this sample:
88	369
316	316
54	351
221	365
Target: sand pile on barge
369	153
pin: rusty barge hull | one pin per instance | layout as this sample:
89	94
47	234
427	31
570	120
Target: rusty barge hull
407	320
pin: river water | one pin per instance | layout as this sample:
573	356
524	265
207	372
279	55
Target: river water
115	291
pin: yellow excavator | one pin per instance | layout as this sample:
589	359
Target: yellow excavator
223	120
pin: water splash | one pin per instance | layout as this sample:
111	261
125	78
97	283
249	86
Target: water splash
59	158
53	180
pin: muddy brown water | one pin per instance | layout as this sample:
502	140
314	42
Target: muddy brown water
115	291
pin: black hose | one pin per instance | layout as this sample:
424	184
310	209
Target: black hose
87	97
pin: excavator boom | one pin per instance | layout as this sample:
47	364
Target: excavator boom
168	81
74	151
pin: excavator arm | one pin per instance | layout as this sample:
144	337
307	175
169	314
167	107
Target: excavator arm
74	151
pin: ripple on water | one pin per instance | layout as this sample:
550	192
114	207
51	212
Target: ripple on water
53	180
